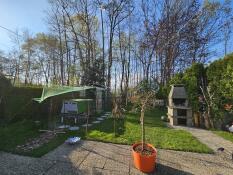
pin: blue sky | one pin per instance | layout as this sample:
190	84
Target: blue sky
21	14
29	14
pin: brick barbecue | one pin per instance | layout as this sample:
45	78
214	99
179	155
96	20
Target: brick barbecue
179	112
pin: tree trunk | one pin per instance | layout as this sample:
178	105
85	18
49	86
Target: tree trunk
143	127
207	119
110	62
103	57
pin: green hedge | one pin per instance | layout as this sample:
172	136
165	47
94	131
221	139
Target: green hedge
5	85
18	103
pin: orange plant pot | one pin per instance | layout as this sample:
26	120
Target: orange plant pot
144	163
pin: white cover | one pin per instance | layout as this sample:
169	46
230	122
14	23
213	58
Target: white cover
94	122
73	140
69	106
231	128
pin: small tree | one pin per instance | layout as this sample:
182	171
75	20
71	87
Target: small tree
209	101
117	111
144	95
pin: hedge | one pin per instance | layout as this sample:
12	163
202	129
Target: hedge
17	103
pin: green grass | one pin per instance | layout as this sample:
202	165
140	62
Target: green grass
225	135
16	134
128	131
54	143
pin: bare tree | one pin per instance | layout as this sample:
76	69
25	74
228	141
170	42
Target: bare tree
117	11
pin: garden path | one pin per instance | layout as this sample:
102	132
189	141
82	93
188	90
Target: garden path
212	140
90	157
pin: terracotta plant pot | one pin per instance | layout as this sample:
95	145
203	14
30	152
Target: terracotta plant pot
145	163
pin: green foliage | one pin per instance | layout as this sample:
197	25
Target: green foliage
191	78
218	76
144	94
19	104
93	74
214	76
5	86
226	81
162	92
20	132
177	79
220	81
145	86
16	134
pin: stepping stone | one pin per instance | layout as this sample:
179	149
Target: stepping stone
104	116
100	119
96	122
86	125
74	128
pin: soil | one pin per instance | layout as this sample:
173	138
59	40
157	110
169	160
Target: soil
147	151
36	142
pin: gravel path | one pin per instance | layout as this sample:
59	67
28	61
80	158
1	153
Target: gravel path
212	140
90	157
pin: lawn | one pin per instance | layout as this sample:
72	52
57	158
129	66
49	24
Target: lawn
16	134
128	131
225	135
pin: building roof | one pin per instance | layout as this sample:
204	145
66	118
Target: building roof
178	91
59	90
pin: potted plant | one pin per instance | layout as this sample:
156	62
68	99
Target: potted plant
144	154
